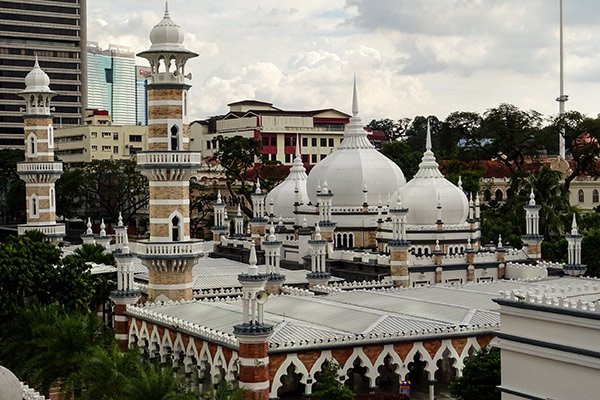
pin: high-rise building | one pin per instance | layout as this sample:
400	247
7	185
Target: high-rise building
141	80
112	82
55	31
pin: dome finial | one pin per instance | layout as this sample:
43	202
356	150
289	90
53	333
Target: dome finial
298	146
37	64
532	198
428	140
167	9
574	230
354	99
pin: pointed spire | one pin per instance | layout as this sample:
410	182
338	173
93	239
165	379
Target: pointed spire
167	10
298	155
239	211
304	222
120	223
272	236
354	99
428	139
317	232
574	230
219	199
102	228
89	227
252	268
460	183
37	64
437	245
257	191
500	245
325	190
532	198
469	244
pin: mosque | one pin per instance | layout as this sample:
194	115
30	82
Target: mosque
426	307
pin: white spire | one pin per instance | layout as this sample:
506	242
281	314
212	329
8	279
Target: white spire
437	245
460	183
428	168
257	191
469	245
167	10
219	199
89	227
532	198
317	232
102	228
252	268
354	99
272	236
298	155
500	241
239	211
120	223
428	139
574	230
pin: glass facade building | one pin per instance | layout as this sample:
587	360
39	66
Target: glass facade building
55	31
112	82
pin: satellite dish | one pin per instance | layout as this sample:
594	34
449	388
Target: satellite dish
262	297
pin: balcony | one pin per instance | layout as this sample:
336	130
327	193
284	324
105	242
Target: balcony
191	249
167	77
53	230
169	159
25	168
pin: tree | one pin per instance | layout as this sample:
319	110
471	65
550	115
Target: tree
481	377
401	153
12	188
224	391
32	272
590	251
392	129
46	345
115	186
328	386
201	207
70	193
152	382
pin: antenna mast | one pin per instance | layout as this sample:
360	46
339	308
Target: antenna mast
562	98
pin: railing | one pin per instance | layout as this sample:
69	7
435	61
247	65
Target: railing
50	230
169	157
167	77
168	249
39	167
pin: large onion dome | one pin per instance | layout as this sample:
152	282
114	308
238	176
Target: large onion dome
284	195
37	81
166	35
429	189
353	166
10	387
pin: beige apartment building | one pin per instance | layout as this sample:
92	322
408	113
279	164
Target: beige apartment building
319	131
99	139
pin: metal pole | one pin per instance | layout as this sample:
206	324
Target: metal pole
562	98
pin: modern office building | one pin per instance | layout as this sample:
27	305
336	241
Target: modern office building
112	82
98	139
141	80
55	31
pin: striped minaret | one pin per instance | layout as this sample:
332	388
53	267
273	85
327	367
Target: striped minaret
169	254
253	334
39	171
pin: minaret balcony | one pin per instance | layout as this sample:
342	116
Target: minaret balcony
168	78
190	249
26	168
50	230
169	159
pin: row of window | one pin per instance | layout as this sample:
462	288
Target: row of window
499	195
114	149
581	196
306	158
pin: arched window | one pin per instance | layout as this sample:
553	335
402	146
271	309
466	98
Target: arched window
175	229
174	137
499	195
33	207
350	240
581	196
345	241
51	200
487	195
50	136
162	67
32	144
595	198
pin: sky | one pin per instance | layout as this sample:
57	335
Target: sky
410	57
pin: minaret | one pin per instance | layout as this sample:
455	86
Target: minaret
125	294
219	228
258	223
169	254
272	248
253	334
318	274
573	267
399	246
239	222
39	170
324	198
532	238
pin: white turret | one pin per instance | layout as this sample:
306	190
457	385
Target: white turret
574	266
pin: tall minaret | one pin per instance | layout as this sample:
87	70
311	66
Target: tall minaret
532	238
574	266
253	334
39	171
169	254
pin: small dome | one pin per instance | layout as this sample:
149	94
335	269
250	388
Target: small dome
166	35
37	80
428	189
284	195
10	387
353	166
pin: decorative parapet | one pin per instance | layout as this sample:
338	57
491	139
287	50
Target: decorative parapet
556	299
294	291
526	271
39	168
146	312
365	257
151	159
146	249
245	243
30	393
48	230
342	286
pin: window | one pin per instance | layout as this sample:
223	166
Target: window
305	158
341	139
323	142
323	156
115	135
581	196
32	144
116	149
499	195
304	142
33	207
135	138
94	134
273	157
595	196
94	147
175	229
106	134
331	142
50	136
106	148
51	200
313	142
288	158
273	141
208	143
288	141
265	141
487	195
174	137
313	158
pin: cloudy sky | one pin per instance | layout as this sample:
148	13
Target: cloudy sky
411	57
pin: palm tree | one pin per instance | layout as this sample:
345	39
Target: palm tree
94	253
224	391
152	382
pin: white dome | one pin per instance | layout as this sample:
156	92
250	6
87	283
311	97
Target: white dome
37	80
166	35
353	166
422	194
10	387
284	194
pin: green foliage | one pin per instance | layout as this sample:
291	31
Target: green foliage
201	208
481	376
12	188
45	345
590	251
328	386
555	250
224	391
32	272
401	153
71	191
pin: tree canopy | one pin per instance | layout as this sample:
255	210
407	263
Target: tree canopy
480	377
